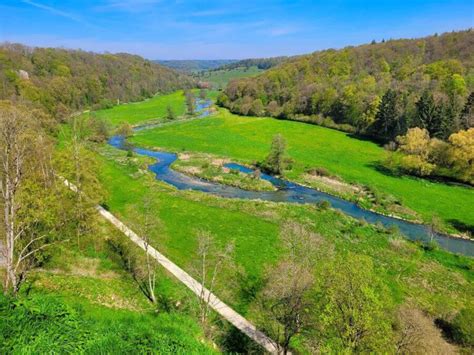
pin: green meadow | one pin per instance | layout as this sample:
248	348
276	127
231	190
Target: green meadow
410	272
220	78
248	139
135	112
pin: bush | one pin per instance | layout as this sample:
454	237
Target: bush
323	205
463	327
413	164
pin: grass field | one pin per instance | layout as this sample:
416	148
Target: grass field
220	78
411	273
136	112
248	139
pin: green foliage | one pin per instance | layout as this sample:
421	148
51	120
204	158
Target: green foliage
42	323
276	162
463	327
191	66
347	85
190	102
388	123
352	306
170	115
60	78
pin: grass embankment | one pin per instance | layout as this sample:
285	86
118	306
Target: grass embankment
151	110
356	161
82	300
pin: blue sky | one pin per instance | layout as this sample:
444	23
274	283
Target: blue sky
181	29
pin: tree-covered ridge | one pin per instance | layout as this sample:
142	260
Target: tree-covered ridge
373	89
260	63
63	80
193	65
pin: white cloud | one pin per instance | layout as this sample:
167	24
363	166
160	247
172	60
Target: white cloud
56	12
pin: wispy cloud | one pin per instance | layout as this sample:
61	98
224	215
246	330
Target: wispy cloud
57	12
128	5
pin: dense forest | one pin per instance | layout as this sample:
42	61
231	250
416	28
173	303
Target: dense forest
380	89
260	63
61	80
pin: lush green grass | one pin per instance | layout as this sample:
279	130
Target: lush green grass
437	282
136	112
254	227
82	300
248	139
220	78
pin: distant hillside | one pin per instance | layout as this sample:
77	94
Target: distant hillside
63	80
260	63
194	65
219	78
373	89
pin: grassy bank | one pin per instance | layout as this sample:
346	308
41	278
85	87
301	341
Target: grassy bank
82	300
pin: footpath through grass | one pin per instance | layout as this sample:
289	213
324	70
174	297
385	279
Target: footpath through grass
410	272
248	139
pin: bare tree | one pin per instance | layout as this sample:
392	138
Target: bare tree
212	262
285	299
19	161
147	228
142	267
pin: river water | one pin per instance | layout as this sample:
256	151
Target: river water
287	192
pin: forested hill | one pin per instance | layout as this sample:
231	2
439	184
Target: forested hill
379	89
63	80
260	63
195	65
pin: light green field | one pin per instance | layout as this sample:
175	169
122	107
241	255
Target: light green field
248	139
136	112
220	78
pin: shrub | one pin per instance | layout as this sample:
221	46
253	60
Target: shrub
413	164
463	327
323	205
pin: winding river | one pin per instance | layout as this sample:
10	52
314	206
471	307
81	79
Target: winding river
287	192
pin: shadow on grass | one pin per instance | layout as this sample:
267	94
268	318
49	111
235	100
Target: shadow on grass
383	169
461	226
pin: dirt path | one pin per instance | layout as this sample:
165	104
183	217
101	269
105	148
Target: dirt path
220	307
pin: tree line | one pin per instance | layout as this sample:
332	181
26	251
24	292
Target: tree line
379	89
